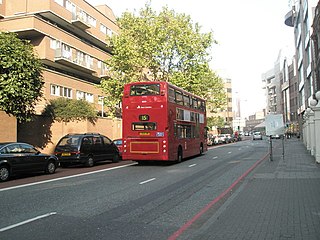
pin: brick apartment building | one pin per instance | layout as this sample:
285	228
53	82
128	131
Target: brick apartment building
70	37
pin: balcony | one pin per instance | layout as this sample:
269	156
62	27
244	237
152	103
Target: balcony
69	59
76	26
79	21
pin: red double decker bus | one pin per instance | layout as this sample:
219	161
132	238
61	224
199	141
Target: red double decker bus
162	122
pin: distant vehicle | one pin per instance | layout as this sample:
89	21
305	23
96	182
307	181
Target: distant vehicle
118	143
229	138
277	136
236	137
162	122
18	157
210	140
257	136
87	149
218	140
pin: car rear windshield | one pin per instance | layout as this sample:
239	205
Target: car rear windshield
70	141
117	142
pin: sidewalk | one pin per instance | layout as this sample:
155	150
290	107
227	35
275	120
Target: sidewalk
280	199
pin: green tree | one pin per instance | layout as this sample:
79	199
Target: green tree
21	79
166	46
69	110
215	122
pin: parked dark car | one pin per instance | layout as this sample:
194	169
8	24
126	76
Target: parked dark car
87	149
19	157
118	143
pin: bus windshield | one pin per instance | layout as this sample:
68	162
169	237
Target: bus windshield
145	89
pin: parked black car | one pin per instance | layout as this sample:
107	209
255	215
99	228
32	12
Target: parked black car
87	149
19	157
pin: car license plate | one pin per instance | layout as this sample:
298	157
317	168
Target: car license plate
65	154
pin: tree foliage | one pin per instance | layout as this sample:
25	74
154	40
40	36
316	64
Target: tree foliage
217	121
20	77
70	110
164	46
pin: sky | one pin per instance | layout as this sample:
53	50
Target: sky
250	34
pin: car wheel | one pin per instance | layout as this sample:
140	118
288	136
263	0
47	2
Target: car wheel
4	173
51	167
90	162
116	158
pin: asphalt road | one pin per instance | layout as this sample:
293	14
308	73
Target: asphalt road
154	201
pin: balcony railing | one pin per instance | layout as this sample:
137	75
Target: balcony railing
71	59
79	20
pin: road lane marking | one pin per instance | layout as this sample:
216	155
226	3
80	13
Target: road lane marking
237	161
149	180
229	152
67	177
192	165
214	157
27	221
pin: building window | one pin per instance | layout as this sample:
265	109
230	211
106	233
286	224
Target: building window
54	44
70	6
109	32
102	67
103	28
89	61
85	96
60	2
60	91
66	51
92	21
80	57
106	30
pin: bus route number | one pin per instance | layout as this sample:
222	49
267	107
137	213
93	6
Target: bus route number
144	117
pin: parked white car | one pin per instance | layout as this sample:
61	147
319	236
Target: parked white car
257	136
